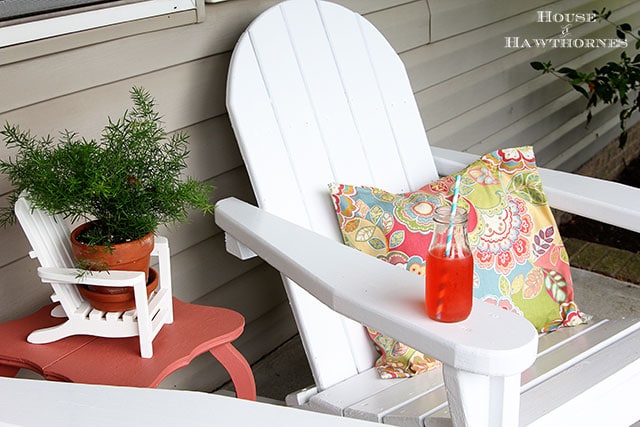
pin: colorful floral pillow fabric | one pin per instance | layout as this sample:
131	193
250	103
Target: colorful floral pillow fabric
520	263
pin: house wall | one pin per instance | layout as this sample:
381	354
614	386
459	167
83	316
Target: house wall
473	92
477	95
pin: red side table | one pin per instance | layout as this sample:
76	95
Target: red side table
116	361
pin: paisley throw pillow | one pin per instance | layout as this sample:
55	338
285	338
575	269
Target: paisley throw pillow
520	262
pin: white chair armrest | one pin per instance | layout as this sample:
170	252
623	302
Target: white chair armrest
602	200
606	201
490	342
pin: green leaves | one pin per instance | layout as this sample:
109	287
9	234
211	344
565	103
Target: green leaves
582	91
622	30
130	180
540	66
603	14
625	27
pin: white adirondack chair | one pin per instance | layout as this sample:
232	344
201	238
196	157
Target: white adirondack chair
316	95
49	240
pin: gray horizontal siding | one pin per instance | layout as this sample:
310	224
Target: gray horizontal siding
477	95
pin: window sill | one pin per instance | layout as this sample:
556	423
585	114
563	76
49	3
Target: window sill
37	38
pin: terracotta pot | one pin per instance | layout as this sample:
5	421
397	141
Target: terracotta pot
130	256
122	301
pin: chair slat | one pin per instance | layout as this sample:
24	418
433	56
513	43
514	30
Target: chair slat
349	392
428	386
383	103
49	239
328	95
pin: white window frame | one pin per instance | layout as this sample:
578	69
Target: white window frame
76	22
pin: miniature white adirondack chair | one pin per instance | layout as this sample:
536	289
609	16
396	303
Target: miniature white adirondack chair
49	240
316	95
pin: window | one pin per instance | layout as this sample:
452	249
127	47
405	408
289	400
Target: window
18	32
24	9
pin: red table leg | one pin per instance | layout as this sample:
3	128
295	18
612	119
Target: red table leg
238	369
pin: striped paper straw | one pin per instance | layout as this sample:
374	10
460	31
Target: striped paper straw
454	206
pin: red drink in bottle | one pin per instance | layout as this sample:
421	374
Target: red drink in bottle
449	276
449	285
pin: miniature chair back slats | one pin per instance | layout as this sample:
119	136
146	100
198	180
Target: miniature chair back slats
49	240
345	83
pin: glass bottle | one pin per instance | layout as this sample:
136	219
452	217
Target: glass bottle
449	275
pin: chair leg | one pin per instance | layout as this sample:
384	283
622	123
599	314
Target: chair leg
481	400
238	369
54	333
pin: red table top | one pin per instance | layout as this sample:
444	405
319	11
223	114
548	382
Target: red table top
116	361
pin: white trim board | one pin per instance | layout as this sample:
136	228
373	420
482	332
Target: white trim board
75	22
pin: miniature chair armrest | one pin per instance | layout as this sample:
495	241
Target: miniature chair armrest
162	252
602	200
135	279
490	342
160	244
116	278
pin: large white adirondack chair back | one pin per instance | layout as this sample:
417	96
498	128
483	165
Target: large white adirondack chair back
49	240
317	95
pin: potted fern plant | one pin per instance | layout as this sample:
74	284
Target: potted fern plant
123	185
